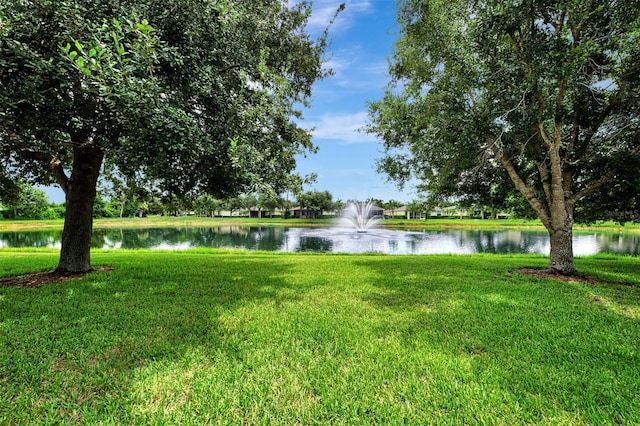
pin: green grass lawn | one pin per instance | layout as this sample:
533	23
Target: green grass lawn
218	337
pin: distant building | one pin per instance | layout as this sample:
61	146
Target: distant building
254	212
438	211
371	211
302	213
376	212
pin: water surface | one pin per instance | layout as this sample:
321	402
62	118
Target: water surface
335	240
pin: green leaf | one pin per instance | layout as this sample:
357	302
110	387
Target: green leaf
145	27
125	68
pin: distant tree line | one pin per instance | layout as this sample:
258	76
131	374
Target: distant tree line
32	203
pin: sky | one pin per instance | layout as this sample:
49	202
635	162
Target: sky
362	39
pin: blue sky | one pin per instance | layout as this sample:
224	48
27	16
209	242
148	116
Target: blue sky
362	40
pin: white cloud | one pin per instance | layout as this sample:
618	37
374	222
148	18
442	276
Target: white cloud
324	11
363	77
337	66
321	16
341	173
347	128
357	70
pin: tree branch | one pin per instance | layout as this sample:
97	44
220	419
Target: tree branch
575	127
557	124
528	192
528	68
562	91
603	180
543	134
544	178
54	165
519	53
615	101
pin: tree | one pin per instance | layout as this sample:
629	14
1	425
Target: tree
293	186
376	201
235	203
206	205
30	203
249	201
618	201
417	208
101	208
338	206
269	201
392	205
175	205
190	96
316	201
543	95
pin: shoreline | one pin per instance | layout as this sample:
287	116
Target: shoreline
194	222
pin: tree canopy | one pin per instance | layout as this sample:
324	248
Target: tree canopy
542	96
183	95
29	203
317	201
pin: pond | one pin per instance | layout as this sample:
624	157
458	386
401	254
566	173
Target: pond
335	240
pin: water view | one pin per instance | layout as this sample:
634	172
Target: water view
335	240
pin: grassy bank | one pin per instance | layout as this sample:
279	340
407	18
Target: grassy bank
162	222
193	221
217	337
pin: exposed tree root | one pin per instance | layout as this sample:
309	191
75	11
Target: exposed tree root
573	278
38	279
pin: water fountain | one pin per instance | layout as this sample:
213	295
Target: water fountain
360	215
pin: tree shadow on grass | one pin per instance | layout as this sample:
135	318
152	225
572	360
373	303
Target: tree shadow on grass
539	342
72	350
139	345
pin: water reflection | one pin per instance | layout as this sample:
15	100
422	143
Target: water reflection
41	239
251	238
338	240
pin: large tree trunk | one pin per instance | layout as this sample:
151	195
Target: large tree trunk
561	253
560	227
75	255
556	212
